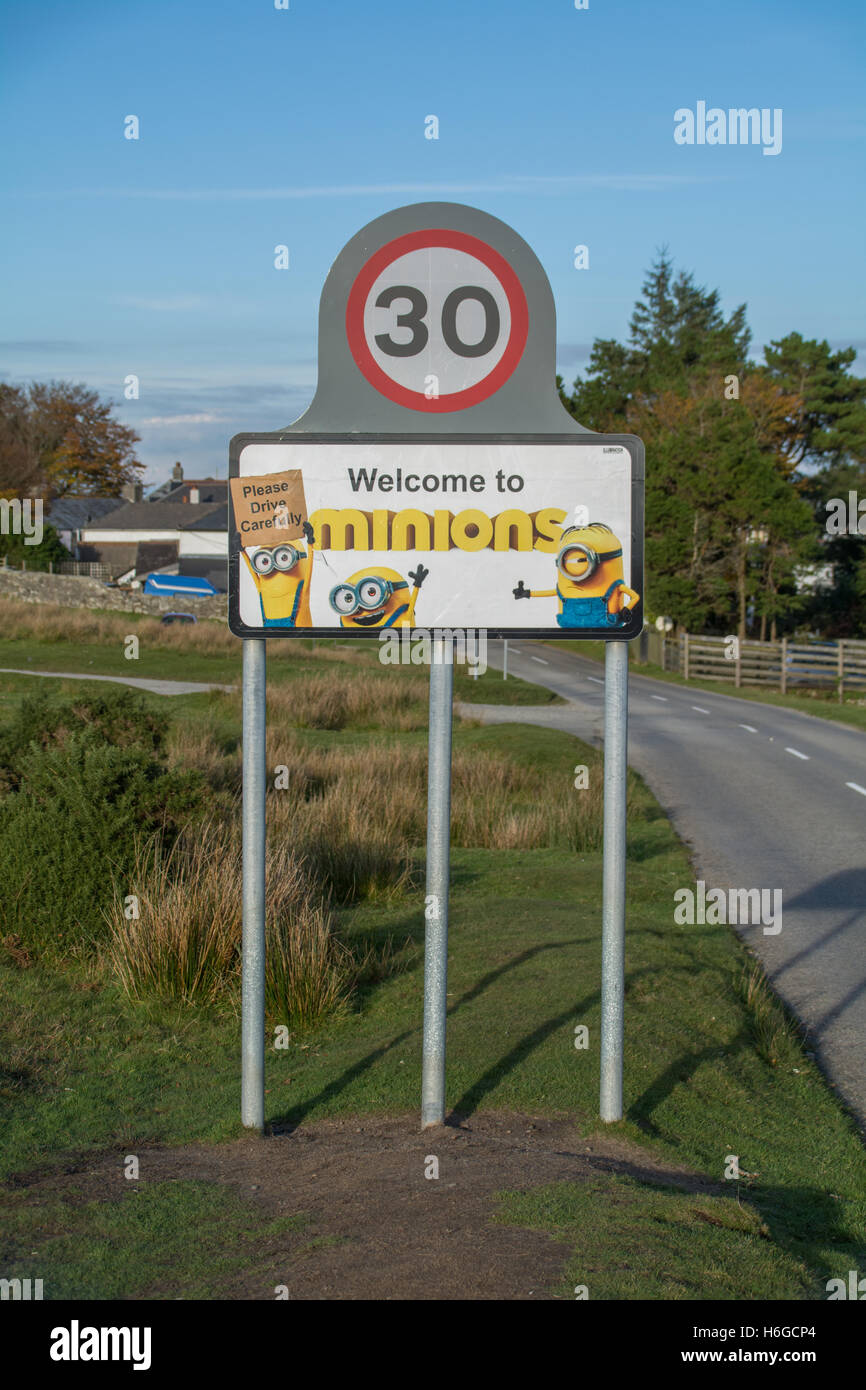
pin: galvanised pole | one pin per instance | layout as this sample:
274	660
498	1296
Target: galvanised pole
613	902
254	840
438	868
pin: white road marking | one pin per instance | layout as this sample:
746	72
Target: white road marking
855	787
516	649
700	709
663	698
751	728
541	661
596	679
804	756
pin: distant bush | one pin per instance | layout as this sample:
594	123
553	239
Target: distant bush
70	831
14	549
118	716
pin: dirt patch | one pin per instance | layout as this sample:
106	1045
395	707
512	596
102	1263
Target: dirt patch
374	1226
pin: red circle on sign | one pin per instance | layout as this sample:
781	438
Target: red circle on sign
456	241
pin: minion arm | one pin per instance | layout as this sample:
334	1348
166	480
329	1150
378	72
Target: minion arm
419	575
623	591
521	592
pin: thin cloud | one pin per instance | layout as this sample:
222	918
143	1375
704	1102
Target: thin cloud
512	183
39	345
206	418
167	303
573	352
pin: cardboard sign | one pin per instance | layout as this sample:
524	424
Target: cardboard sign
270	509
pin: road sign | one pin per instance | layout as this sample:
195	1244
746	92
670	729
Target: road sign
437	320
436	465
435	482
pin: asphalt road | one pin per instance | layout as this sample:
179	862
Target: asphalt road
765	798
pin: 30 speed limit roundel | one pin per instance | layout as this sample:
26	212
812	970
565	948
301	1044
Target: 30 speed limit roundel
437	320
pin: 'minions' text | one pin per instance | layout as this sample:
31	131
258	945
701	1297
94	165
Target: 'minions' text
346	528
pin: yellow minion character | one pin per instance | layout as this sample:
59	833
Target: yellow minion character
377	598
281	574
590	585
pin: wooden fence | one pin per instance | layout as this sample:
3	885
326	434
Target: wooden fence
784	665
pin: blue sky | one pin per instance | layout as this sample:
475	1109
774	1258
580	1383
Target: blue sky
261	126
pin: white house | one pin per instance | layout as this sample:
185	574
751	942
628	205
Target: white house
175	537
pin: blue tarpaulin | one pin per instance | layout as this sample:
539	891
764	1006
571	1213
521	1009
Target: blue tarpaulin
187	584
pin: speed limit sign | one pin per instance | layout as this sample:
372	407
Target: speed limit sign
437	320
436	479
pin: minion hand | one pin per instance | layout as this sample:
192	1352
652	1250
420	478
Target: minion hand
308	533
418	576
520	591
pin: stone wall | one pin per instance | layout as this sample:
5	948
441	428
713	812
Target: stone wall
74	591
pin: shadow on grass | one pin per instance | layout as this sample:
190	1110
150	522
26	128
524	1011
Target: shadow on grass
290	1119
493	975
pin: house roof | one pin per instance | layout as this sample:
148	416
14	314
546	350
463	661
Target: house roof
216	520
68	513
209	490
161	516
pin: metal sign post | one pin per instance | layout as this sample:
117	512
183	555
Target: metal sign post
435	486
613	890
254	832
438	876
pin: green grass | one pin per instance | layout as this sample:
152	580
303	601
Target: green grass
155	663
97	658
137	1244
631	1240
824	704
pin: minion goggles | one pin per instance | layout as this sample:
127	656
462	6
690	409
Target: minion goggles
281	557
593	558
369	593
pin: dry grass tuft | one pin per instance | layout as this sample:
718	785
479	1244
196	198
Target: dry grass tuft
338	701
775	1035
185	942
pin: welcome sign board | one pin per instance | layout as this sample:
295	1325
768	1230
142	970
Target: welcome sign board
517	537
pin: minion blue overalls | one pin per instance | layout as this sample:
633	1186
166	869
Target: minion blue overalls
588	612
398	613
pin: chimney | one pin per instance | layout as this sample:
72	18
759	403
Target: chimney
131	492
177	473
193	495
